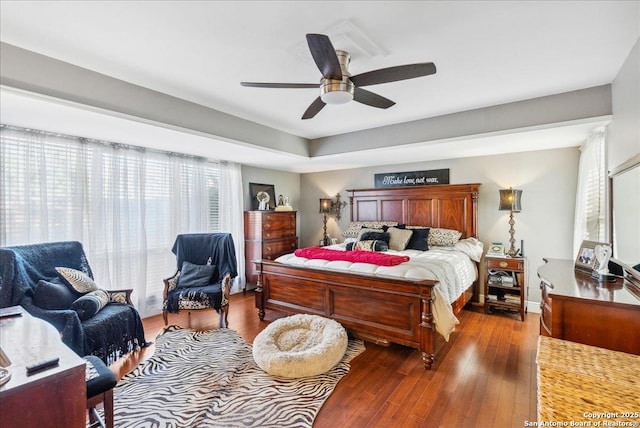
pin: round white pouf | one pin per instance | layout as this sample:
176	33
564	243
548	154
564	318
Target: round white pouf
299	346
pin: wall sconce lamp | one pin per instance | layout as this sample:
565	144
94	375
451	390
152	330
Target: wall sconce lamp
331	207
510	201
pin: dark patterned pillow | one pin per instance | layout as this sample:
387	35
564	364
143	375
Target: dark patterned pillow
90	304
80	281
370	245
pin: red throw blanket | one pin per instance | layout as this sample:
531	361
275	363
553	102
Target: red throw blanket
372	257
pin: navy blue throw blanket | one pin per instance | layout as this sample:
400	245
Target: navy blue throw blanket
114	331
197	248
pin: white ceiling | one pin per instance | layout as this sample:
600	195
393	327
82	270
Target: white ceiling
486	53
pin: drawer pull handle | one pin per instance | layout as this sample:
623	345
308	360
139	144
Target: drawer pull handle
267	226
504	264
293	245
268	248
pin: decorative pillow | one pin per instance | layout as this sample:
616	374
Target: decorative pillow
369	245
80	281
443	237
53	295
368	235
192	275
419	237
90	304
399	238
117	296
355	226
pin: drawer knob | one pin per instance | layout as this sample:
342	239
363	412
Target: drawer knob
504	264
268	235
267	225
268	248
293	245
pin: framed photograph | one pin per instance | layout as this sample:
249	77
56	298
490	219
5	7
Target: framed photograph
586	259
263	196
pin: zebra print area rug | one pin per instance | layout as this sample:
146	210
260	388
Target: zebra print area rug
209	379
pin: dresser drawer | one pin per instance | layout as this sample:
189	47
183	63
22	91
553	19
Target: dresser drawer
273	222
279	233
514	264
273	249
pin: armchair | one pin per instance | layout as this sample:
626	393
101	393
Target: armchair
206	265
26	270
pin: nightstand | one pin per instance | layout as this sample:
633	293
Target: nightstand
505	284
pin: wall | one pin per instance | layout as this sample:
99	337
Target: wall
284	183
547	178
623	134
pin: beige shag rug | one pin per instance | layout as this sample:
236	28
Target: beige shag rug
299	346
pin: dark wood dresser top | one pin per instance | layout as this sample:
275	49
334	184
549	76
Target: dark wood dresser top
567	283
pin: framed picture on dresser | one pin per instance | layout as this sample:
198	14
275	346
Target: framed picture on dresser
586	259
263	196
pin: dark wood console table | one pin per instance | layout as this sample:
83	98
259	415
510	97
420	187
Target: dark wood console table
55	397
576	307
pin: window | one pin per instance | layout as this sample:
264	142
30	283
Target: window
126	205
590	195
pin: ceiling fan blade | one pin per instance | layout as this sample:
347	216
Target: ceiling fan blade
369	98
280	85
325	56
314	108
393	74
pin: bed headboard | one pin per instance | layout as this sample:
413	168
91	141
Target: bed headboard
450	206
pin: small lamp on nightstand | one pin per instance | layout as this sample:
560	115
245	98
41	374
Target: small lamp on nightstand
510	201
325	208
329	206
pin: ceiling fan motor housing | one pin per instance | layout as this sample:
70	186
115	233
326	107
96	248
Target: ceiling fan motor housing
333	91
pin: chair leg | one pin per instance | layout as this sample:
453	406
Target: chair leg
165	316
224	317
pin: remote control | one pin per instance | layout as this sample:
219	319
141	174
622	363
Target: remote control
42	365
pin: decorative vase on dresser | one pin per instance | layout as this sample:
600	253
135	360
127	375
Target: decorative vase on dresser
268	235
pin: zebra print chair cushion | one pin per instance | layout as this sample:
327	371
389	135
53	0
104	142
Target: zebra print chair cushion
299	346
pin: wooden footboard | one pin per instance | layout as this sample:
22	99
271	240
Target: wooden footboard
377	309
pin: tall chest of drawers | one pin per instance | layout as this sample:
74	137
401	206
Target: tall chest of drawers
268	235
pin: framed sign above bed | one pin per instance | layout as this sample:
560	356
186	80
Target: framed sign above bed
412	178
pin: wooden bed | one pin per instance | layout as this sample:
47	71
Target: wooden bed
382	310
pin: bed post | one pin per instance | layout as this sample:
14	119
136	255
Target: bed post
427	329
259	292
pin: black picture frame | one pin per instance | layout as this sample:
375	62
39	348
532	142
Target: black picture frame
255	188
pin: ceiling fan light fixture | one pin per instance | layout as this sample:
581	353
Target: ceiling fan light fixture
336	91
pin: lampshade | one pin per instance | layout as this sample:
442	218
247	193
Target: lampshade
510	200
325	205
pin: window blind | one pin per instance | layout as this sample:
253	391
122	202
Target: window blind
126	205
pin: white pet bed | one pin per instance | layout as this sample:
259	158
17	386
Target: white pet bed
299	346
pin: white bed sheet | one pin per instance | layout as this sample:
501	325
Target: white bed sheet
453	269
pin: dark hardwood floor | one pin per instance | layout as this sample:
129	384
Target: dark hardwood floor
485	376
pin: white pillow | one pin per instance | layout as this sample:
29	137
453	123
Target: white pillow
77	279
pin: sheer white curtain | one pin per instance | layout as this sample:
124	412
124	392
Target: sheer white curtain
126	205
590	196
231	214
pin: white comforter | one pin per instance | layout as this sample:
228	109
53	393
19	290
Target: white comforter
452	267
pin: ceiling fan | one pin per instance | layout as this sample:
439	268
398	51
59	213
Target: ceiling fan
337	86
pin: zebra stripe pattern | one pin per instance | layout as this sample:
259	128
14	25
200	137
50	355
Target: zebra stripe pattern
209	379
